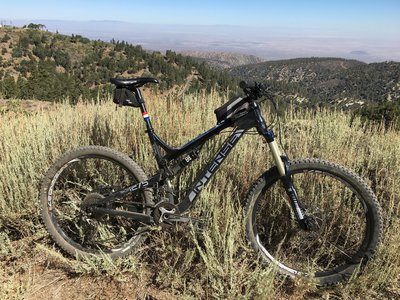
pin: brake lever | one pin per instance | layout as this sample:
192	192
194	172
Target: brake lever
257	91
249	90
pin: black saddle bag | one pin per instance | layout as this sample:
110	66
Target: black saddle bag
125	97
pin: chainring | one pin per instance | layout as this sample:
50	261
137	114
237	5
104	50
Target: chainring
162	212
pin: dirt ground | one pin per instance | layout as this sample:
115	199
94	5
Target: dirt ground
28	272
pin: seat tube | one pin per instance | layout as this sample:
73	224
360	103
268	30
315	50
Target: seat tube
143	109
149	127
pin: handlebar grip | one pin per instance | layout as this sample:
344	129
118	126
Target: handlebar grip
243	84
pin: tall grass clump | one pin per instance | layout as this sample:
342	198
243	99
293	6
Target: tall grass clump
215	262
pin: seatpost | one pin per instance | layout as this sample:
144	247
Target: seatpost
150	130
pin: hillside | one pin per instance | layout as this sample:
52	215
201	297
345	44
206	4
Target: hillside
337	81
35	64
215	263
222	60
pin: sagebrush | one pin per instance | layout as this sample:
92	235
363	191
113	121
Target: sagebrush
216	263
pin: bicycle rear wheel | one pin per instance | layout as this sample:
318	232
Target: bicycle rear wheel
345	213
79	180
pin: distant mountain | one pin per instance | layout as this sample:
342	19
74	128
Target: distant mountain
336	81
223	60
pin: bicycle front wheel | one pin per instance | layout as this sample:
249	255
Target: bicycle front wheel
79	180
345	214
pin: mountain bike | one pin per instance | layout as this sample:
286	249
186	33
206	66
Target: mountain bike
310	218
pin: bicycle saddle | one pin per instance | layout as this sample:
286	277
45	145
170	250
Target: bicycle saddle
132	82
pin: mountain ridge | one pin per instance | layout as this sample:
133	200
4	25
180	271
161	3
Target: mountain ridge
338	81
36	64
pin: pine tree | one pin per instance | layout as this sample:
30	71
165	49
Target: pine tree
9	88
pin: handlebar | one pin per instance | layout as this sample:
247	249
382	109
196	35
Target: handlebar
255	91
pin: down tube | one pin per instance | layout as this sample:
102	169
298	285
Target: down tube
210	170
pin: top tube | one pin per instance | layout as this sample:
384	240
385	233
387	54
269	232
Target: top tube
172	153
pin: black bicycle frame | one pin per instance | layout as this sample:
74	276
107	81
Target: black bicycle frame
243	122
205	176
198	141
173	153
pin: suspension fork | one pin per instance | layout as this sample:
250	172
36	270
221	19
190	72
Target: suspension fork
282	164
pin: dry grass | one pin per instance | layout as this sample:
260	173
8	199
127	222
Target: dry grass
186	265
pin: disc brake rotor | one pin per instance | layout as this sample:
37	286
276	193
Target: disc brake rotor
90	200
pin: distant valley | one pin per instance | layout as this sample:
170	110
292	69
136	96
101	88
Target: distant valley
222	60
269	43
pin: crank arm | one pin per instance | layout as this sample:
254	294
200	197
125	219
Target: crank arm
123	213
179	219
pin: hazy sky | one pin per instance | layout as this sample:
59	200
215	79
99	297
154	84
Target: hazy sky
366	15
373	23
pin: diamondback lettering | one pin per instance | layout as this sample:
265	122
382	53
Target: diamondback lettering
220	157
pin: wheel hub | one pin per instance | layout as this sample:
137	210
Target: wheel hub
91	200
312	223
